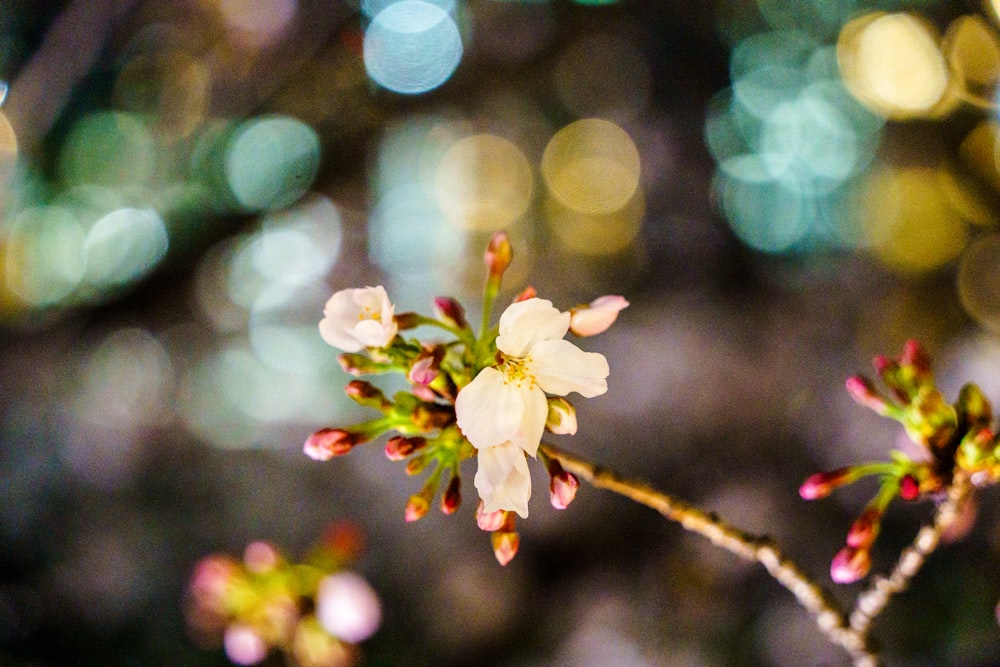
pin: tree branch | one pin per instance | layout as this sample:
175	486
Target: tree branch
830	620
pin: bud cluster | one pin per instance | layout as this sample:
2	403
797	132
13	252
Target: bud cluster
957	441
424	425
314	612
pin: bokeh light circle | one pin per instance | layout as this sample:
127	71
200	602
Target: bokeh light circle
910	222
271	162
979	281
412	47
483	182
591	166
124	245
893	63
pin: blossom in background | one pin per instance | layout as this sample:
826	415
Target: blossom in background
505	406
597	316
356	318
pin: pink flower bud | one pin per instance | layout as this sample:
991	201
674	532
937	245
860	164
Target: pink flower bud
243	645
562	489
525	294
504	546
399	447
451	311
909	488
416	508
849	565
915	356
452	496
424	371
596	317
864	393
261	557
822	484
212	580
865	528
489	521
326	443
498	255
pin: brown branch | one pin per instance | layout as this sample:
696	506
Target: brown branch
872	601
830	620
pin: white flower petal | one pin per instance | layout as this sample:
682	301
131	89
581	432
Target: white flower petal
560	367
526	322
503	479
536	411
489	409
597	317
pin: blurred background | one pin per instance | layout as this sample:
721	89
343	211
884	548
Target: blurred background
781	188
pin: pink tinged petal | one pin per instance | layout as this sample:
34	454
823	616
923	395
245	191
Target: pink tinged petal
489	410
372	333
503	479
489	521
560	367
598	316
526	322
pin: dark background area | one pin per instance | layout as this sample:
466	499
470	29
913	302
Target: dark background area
153	412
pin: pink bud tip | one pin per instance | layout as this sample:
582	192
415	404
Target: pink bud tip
416	508
850	565
326	443
398	447
261	557
909	487
489	521
915	355
562	489
822	484
504	546
525	294
865	529
498	254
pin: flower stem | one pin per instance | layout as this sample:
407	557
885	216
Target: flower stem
830	620
872	601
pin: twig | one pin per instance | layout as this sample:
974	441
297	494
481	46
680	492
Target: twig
830	620
872	601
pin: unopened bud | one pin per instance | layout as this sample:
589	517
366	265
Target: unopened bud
366	394
849	565
822	484
916	357
261	557
417	507
416	465
399	447
326	443
498	255
489	521
864	393
909	487
423	371
974	405
561	418
407	320
525	294
358	364
452	496
450	311
597	316
431	416
865	528
505	546
562	489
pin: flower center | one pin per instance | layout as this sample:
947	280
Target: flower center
367	313
518	371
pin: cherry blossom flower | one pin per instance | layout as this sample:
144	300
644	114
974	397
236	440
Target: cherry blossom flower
504	408
356	318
